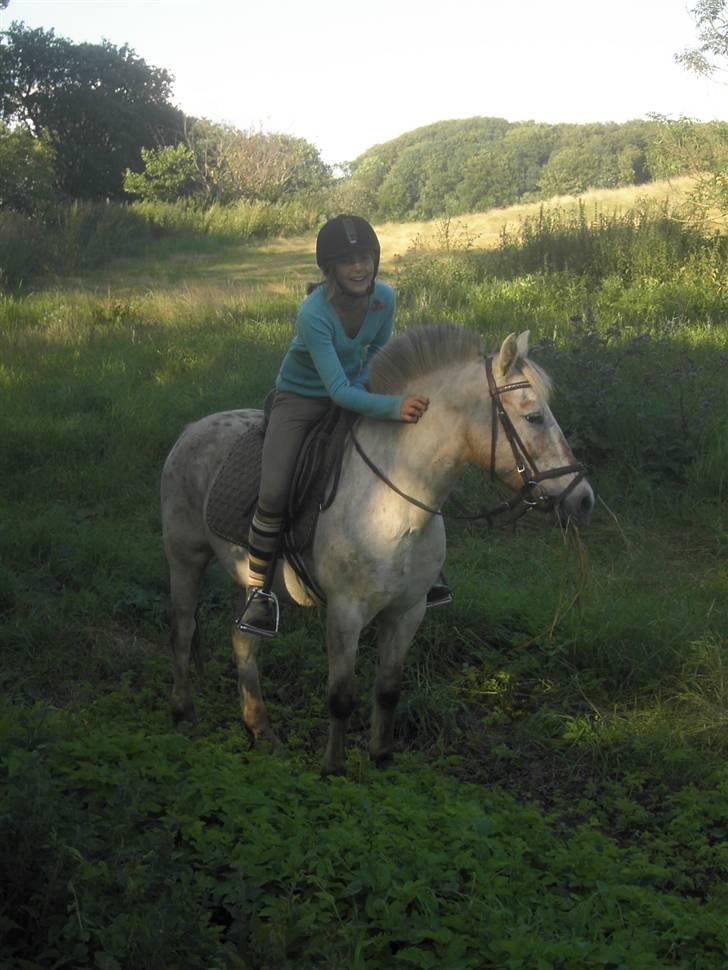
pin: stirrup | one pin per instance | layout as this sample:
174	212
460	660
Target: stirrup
266	623
439	594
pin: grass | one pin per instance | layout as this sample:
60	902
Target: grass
483	230
231	271
279	265
560	797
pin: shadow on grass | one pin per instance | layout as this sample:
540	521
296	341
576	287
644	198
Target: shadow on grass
273	267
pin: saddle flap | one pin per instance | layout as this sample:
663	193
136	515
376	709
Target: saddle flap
316	476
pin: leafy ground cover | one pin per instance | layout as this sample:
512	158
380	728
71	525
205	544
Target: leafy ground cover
560	799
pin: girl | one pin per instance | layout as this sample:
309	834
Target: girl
340	326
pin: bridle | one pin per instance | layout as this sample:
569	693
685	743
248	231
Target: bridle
525	464
526	467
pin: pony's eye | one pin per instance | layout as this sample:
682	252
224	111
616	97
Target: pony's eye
535	418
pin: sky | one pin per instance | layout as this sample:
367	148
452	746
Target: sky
349	75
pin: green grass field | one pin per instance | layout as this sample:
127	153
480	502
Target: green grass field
560	797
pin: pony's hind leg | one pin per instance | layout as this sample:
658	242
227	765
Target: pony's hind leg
185	581
394	638
255	715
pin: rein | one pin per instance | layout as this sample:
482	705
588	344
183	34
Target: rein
525	465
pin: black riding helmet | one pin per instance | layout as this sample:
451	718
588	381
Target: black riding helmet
344	235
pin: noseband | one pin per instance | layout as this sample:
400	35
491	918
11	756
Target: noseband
526	467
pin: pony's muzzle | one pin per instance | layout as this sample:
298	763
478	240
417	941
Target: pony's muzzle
578	505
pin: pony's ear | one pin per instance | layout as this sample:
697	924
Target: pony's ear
507	356
522	343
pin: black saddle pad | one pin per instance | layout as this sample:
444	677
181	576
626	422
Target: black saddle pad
234	491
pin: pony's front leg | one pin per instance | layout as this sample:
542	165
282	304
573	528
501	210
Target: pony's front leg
255	715
396	632
343	626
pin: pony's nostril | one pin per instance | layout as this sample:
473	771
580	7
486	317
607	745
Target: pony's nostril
586	504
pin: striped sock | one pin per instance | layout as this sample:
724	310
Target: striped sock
262	541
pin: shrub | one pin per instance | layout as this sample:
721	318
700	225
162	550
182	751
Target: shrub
169	174
27	174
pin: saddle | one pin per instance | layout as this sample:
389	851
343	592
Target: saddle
234	491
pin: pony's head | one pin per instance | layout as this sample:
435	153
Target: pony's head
528	449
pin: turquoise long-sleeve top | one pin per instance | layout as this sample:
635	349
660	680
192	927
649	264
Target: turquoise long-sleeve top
322	361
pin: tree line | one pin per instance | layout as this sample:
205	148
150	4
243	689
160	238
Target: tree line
96	122
483	163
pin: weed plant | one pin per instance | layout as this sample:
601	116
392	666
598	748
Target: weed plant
560	799
209	857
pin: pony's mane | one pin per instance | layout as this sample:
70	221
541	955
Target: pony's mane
422	350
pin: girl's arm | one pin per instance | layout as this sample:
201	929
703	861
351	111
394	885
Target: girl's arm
318	338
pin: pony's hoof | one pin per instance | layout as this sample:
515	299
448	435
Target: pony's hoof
384	760
333	771
268	744
184	714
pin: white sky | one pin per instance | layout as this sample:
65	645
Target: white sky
347	76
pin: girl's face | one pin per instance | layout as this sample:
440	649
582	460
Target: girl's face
355	273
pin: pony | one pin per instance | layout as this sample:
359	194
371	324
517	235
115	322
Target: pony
381	544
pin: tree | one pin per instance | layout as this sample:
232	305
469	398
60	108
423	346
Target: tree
686	147
269	166
488	181
570	170
97	105
702	150
27	176
711	18
400	190
169	174
256	165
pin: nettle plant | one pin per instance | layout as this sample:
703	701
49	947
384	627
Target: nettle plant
643	398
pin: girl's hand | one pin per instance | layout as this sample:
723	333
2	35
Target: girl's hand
413	407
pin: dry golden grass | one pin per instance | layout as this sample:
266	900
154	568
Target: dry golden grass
483	229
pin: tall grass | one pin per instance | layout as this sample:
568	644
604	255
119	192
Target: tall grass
80	237
230	223
24	251
566	262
